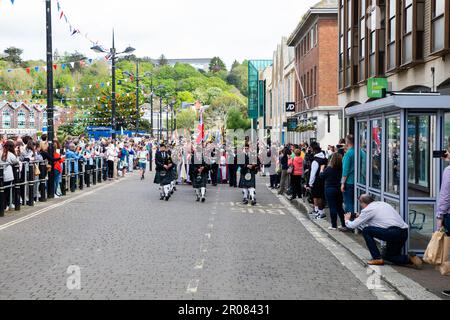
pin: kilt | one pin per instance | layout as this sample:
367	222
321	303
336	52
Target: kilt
163	178
200	180
247	180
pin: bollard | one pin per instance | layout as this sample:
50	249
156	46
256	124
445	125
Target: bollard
23	179
72	176
81	170
42	176
95	172
17	187
87	175
30	178
151	161
64	179
2	192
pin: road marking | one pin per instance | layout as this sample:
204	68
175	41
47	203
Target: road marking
203	248
57	205
193	286
199	264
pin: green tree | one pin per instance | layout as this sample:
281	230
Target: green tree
186	119
236	120
162	61
13	55
217	65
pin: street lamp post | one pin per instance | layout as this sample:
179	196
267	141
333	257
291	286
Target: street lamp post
113	54
50	120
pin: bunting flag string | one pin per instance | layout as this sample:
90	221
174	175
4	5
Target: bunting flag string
64	90
63	66
73	30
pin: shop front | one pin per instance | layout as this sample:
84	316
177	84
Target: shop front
396	137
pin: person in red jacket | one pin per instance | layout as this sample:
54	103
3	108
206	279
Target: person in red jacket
58	168
296	169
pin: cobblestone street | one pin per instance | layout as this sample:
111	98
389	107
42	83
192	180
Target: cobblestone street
130	245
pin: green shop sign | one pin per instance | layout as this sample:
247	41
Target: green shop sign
377	87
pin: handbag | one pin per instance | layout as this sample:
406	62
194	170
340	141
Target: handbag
435	250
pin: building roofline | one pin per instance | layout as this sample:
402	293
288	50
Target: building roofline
311	12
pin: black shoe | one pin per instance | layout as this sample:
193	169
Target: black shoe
446	293
203	200
162	198
198	199
167	198
254	203
245	202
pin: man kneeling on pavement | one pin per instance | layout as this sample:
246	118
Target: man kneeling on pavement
382	222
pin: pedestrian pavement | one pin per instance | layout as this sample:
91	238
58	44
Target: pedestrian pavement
119	241
425	284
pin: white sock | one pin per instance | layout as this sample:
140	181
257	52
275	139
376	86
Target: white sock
203	190
252	193
316	209
320	212
245	192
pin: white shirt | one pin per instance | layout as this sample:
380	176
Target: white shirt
379	215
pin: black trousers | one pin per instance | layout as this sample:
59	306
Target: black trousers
273	180
296	186
8	193
232	168
214	172
110	169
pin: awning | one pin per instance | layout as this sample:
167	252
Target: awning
398	102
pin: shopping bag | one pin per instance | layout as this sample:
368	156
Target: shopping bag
434	253
445	266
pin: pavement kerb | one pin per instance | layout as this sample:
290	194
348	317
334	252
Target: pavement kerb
405	286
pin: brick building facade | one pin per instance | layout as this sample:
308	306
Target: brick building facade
316	46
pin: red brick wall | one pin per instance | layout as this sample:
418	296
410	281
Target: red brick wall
328	57
323	58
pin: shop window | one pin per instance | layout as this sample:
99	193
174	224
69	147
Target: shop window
421	225
362	158
376	154
6	119
393	163
395	204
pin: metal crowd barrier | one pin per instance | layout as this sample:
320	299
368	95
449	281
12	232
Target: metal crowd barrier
28	188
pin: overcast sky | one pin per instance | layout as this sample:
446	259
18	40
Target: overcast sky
231	29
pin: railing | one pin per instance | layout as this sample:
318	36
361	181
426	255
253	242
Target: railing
31	180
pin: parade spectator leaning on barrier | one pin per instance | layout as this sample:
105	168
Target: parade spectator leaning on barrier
8	160
383	222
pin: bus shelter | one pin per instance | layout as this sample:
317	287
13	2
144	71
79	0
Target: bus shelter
395	138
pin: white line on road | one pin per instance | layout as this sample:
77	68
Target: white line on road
199	264
192	286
